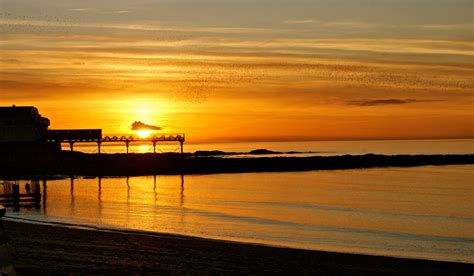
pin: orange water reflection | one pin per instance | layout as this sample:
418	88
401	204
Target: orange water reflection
423	212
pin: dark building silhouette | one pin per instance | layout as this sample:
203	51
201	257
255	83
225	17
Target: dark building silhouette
22	124
24	133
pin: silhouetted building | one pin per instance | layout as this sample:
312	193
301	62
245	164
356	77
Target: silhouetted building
22	124
23	134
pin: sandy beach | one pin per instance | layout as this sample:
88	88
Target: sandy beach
57	249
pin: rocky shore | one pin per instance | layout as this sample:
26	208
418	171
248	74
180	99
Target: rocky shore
76	163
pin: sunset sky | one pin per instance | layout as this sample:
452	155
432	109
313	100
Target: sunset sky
244	70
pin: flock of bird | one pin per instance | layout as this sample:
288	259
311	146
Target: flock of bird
200	78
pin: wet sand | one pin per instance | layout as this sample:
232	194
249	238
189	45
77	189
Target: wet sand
55	249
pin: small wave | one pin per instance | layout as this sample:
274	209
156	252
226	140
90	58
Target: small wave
299	205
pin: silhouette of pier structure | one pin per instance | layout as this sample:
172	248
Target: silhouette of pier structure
22	128
94	136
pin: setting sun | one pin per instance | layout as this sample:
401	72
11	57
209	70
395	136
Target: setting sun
144	133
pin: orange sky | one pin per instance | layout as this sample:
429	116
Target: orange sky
294	75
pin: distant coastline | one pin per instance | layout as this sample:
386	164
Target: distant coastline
204	162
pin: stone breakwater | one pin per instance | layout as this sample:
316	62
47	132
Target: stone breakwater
76	163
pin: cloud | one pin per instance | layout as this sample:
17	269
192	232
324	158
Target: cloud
370	102
303	21
335	24
120	12
137	125
84	9
445	27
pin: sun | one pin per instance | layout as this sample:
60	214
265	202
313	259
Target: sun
143	133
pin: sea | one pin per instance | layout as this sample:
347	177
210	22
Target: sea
422	212
304	148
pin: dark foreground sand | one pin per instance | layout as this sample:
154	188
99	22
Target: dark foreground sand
52	249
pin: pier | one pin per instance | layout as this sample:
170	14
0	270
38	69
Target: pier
94	136
23	126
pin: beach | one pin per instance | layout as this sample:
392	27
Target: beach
57	249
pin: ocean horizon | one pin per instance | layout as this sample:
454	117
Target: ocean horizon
302	148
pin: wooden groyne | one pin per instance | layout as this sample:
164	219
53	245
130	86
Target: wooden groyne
72	163
13	198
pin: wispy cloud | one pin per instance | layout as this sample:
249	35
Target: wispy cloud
84	9
150	26
376	102
334	24
366	24
303	21
444	27
99	11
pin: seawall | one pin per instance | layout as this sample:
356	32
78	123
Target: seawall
76	163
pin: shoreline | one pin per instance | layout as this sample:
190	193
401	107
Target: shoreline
76	163
59	249
169	235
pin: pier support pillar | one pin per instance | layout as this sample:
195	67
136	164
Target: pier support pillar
44	195
99	193
127	144
16	196
181	145
98	147
154	146
37	195
71	145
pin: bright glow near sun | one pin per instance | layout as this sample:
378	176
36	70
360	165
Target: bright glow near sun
143	133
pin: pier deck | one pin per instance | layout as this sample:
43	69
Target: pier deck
127	139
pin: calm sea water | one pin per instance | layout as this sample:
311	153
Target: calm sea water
325	148
423	212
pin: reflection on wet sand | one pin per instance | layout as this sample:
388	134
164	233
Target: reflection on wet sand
182	191
99	195
72	204
45	195
72	198
154	189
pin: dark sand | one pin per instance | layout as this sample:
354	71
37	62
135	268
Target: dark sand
52	249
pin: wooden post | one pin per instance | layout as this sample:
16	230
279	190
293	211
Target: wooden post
37	195
71	145
72	185
99	193
127	143
16	196
154	146
44	195
181	144
98	146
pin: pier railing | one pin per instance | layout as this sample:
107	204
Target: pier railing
127	139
